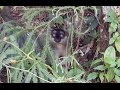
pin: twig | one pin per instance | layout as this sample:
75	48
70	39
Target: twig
80	30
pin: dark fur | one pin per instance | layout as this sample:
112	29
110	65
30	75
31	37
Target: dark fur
58	35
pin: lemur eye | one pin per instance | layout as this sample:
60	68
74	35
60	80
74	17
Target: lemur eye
62	35
54	35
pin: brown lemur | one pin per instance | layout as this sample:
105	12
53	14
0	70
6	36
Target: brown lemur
58	41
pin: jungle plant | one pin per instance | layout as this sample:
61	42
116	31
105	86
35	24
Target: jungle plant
18	46
107	68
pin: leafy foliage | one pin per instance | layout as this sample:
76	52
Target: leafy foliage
110	67
25	63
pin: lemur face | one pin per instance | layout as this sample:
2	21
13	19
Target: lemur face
58	35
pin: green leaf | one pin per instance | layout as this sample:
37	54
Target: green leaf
113	27
41	75
44	73
117	71
110	56
70	73
19	79
12	38
101	76
14	76
10	51
2	56
95	62
112	40
28	78
78	73
112	17
116	34
118	62
92	75
59	20
35	79
117	44
110	75
100	67
117	78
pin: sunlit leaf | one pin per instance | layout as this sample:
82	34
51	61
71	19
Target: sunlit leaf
14	76
92	76
112	17
110	75
44	73
112	40
28	78
19	79
78	73
117	78
35	79
113	27
100	67
10	51
116	35
117	71
101	76
117	44
110	56
118	62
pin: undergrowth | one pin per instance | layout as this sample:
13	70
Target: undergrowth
18	47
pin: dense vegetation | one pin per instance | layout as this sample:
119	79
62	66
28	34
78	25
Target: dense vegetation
93	44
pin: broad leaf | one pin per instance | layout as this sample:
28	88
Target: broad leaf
78	73
92	75
100	67
111	16
117	78
115	36
30	75
112	40
118	62
95	62
117	44
110	56
110	75
113	27
101	76
117	71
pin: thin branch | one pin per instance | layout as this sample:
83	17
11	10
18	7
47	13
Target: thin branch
80	28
